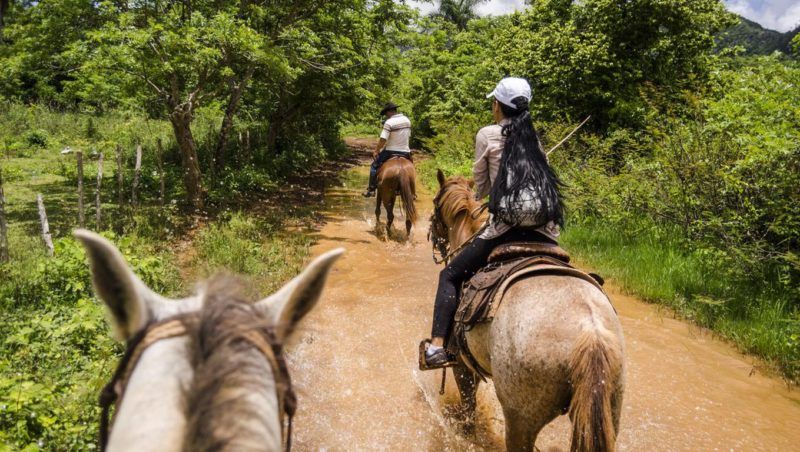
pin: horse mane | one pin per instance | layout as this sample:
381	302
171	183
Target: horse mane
456	197
228	371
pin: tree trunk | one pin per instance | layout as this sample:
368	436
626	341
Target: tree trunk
181	119
237	90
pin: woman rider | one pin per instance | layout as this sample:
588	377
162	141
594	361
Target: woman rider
525	200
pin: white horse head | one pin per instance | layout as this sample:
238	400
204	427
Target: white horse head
214	384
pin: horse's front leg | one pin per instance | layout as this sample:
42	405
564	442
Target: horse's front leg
468	389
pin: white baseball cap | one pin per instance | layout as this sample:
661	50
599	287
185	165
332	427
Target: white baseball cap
510	88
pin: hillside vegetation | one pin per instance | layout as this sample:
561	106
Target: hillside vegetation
755	39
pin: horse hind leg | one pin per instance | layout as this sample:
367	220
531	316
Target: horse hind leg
377	210
521	431
389	206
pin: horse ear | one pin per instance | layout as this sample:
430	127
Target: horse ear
472	183
440	177
125	296
294	300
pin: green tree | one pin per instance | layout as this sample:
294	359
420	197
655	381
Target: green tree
35	56
459	12
299	55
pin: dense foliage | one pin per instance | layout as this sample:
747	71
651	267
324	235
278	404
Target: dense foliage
294	68
55	348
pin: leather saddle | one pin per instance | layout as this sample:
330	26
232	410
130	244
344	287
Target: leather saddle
516	250
482	294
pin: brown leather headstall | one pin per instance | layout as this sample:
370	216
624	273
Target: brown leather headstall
262	339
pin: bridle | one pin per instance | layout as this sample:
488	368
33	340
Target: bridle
437	233
263	339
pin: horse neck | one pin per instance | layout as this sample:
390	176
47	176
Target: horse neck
464	227
151	413
232	403
239	407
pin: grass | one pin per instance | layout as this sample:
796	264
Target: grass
658	268
55	346
257	248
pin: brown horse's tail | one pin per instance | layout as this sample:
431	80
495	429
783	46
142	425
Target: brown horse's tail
595	373
407	192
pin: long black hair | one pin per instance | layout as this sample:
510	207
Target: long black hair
525	161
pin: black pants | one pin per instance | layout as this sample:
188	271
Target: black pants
463	266
380	160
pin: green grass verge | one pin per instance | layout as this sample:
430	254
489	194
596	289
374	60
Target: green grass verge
658	268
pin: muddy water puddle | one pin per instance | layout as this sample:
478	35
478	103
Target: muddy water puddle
355	364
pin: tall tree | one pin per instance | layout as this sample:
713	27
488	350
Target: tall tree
459	12
300	56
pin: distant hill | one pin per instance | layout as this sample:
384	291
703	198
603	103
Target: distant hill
755	39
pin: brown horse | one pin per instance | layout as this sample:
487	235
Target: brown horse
395	176
555	345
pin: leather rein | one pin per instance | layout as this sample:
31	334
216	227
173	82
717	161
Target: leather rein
437	233
263	340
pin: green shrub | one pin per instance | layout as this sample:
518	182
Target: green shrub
55	348
36	138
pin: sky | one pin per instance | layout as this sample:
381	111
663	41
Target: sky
781	15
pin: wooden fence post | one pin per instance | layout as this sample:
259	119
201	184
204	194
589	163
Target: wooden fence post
4	256
97	193
160	160
48	239
137	169
120	192
81	213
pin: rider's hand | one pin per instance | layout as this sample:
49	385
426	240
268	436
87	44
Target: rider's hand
374	155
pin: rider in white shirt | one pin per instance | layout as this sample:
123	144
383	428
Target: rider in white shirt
393	143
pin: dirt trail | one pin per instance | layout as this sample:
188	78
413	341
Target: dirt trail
359	388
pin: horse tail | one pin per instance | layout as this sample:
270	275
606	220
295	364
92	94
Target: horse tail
407	190
595	370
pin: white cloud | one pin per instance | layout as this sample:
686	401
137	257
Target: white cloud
781	15
499	7
493	7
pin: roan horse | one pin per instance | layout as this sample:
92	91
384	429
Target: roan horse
397	175
204	372
555	345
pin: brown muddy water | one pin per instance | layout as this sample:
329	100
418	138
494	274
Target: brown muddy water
355	362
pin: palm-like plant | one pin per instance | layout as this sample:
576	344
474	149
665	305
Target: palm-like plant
459	12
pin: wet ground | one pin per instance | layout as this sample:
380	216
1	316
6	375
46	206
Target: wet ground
355	365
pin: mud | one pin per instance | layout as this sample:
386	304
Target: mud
355	363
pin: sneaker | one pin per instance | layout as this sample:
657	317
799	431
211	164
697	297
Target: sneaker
439	358
368	193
